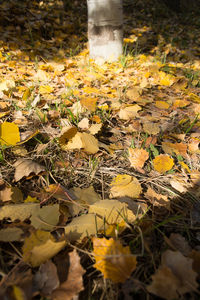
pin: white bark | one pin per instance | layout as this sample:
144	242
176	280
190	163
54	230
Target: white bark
105	29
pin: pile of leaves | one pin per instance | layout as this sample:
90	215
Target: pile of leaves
99	163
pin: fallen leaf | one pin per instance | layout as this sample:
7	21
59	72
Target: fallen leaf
180	243
11	234
84	141
83	226
113	211
74	283
137	157
45	89
174	277
46	279
89	103
163	163
151	128
95	128
177	148
129	112
166	79
125	185
157	199
133	93
39	247
6	194
180	103
84	123
24	168
41	218
162	104
7	84
9	134
90	143
113	260
26	94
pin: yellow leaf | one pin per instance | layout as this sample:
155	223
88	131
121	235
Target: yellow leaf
45	89
89	103
166	79
113	260
90	90
125	185
137	157
184	166
194	98
26	94
114	230
4	113
31	199
84	226
181	103
103	106
84	141
67	134
39	247
162	105
9	134
18	293
113	211
163	163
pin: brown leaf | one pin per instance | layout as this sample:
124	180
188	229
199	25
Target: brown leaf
157	199
174	277
180	243
178	148
137	157
151	128
74	283
46	279
24	167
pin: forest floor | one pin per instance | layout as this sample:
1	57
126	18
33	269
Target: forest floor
99	164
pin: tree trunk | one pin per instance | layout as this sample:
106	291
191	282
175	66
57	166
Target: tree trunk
105	29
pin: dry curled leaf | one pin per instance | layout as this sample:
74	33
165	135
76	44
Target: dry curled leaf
26	167
157	199
113	260
137	157
177	148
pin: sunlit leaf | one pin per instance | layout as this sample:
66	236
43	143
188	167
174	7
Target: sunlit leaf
137	157
9	134
163	163
125	185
